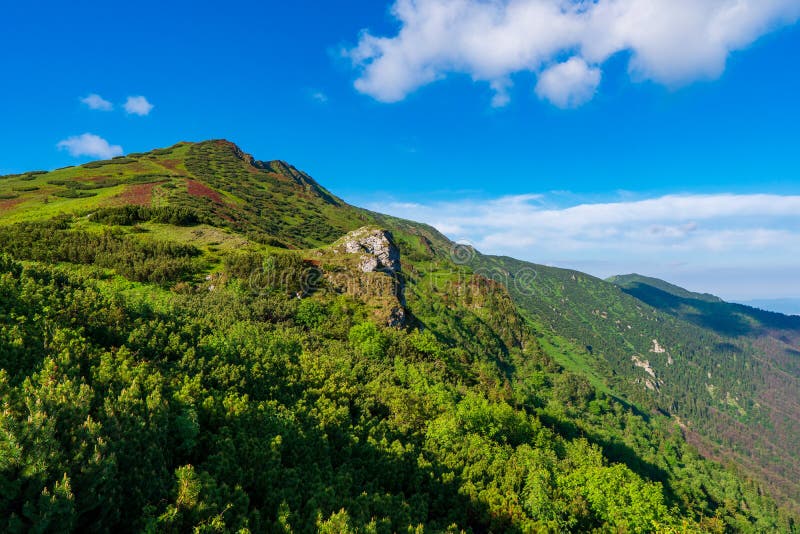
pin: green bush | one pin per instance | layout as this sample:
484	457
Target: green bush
74	193
368	340
130	215
311	313
145	261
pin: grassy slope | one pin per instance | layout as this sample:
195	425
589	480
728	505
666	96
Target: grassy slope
227	187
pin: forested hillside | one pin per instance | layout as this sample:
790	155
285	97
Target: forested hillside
710	312
191	339
728	373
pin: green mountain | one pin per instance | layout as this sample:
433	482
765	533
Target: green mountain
633	280
787	306
710	312
729	374
191	339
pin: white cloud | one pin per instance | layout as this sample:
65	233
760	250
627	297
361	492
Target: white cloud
569	84
97	102
671	236
669	41
319	96
501	98
138	105
89	145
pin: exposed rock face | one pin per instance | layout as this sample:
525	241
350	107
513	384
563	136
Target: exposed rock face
653	384
370	270
644	365
377	247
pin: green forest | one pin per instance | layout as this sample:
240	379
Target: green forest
178	353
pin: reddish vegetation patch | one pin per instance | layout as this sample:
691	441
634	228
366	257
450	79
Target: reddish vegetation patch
137	195
171	164
95	179
9	203
196	189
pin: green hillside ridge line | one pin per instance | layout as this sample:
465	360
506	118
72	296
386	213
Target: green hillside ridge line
627	280
173	341
758	364
703	309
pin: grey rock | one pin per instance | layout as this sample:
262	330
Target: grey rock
378	249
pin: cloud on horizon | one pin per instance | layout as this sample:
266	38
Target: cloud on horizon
138	105
89	145
679	237
672	42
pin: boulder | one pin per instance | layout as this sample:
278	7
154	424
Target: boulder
377	248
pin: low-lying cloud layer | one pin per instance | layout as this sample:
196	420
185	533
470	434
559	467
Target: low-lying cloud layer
564	42
685	238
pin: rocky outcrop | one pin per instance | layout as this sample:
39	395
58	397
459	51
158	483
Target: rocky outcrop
366	264
653	383
657	348
376	247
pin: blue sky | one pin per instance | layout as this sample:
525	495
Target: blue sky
439	110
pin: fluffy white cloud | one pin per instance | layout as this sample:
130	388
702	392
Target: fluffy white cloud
138	105
89	145
97	102
675	236
568	84
670	41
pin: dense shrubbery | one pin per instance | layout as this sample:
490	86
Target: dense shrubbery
230	411
286	272
118	160
243	407
74	193
85	186
144	261
730	388
130	215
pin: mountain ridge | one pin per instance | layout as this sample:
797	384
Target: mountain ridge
626	280
733	318
785	306
569	353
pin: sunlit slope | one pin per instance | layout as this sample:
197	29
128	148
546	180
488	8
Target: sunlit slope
506	396
213	182
729	373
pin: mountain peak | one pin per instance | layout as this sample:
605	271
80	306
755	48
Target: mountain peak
628	281
213	182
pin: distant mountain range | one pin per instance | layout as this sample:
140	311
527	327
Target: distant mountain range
786	306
